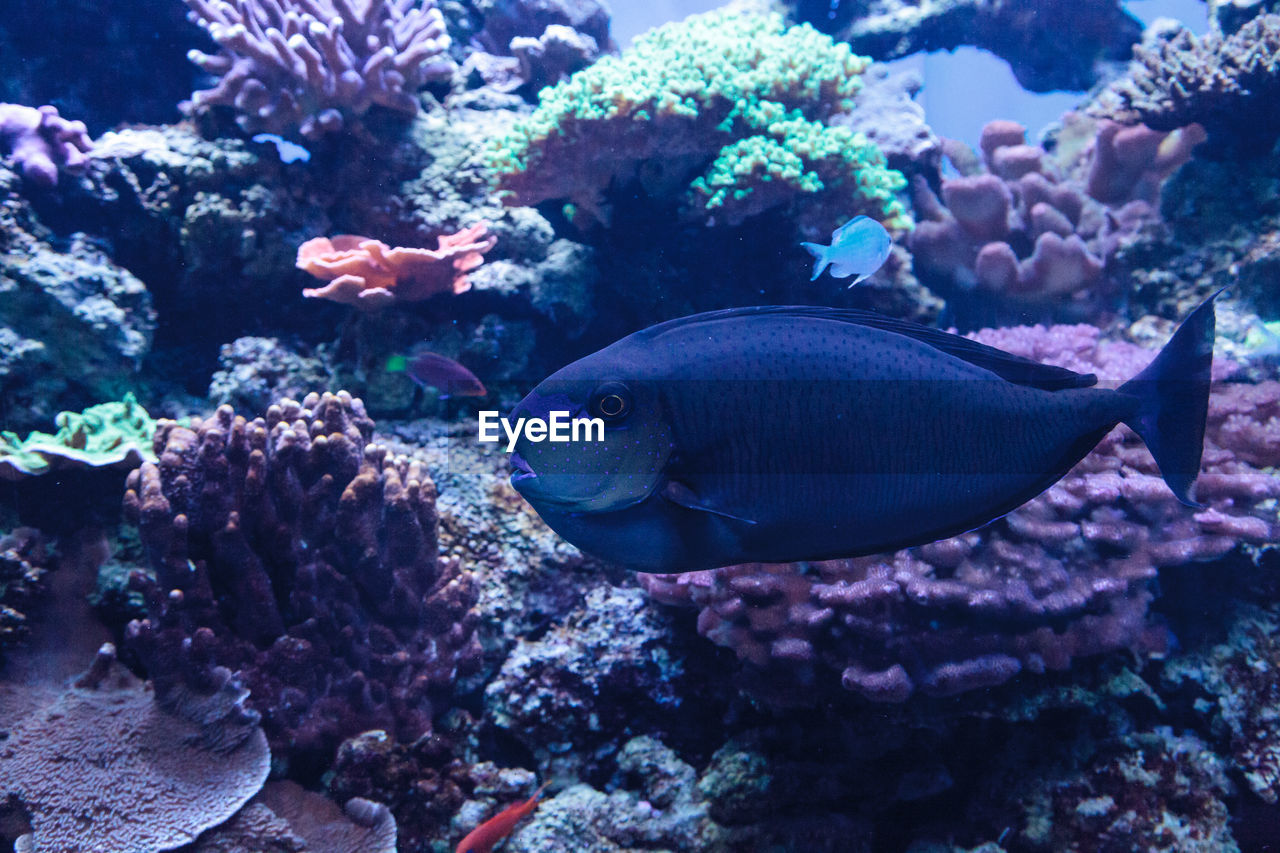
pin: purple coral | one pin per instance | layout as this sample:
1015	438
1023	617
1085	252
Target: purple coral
1064	576
41	142
309	66
294	552
1026	233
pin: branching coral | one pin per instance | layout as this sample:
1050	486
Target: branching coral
1229	85
371	275
311	66
722	112
1063	576
294	552
41	142
108	435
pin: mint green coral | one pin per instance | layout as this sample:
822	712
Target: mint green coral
745	94
107	435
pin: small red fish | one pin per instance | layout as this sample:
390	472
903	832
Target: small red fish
483	838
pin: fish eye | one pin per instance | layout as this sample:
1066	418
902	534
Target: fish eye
611	401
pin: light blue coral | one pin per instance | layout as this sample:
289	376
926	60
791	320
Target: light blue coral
737	102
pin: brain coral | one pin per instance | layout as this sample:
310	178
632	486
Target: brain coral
724	113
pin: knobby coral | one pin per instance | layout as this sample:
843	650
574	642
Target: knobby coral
1026	232
311	66
723	113
41	142
294	552
1226	84
1065	575
24	562
371	275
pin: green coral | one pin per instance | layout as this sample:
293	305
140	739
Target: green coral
737	100
106	435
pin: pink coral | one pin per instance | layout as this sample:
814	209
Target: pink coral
371	275
1065	575
41	142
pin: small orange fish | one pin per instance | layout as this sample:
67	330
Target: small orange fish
483	838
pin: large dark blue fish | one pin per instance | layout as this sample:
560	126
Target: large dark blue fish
790	433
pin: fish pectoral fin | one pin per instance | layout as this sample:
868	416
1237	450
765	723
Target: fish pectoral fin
681	495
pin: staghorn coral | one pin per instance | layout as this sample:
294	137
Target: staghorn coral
1064	576
310	67
1228	85
1024	234
108	435
104	767
294	552
371	275
722	113
42	143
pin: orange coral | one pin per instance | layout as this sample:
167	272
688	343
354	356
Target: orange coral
371	275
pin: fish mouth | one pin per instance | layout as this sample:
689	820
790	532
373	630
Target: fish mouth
522	470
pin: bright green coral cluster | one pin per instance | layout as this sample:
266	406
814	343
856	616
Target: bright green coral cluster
735	102
103	436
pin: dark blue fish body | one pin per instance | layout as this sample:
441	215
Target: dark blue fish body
782	434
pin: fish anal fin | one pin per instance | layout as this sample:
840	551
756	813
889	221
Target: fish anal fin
681	495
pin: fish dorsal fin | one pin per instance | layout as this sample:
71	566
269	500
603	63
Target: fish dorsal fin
1010	367
835	235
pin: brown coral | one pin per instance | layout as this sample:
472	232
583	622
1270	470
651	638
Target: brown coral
371	275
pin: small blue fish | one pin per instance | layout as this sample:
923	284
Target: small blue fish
288	152
859	247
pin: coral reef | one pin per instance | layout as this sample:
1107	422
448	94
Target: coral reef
108	435
292	551
103	766
255	371
371	275
41	143
1227	84
603	669
312	67
1026	235
1066	575
73	324
24	562
724	113
1049	44
286	818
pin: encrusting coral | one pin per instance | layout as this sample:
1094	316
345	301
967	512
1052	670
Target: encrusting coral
292	551
104	767
722	113
108	435
1064	576
310	67
41	142
371	275
24	562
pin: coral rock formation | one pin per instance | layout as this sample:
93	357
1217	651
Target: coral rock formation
292	551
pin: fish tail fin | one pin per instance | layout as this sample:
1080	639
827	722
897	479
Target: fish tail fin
1173	401
819	253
